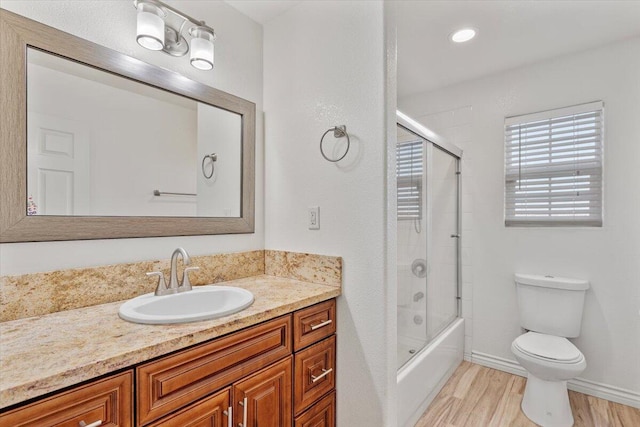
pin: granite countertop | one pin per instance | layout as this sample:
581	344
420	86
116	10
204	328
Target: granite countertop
46	353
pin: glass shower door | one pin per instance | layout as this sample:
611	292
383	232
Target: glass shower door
412	244
442	246
428	242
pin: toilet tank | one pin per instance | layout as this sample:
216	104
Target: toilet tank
551	305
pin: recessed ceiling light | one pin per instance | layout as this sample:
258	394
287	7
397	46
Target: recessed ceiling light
463	35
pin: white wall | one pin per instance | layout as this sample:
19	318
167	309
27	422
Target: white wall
238	70
325	66
609	256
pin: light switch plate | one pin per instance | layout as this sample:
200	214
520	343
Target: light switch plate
314	218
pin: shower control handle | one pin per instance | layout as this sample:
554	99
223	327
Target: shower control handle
455	236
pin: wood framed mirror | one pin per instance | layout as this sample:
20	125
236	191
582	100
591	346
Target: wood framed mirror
171	196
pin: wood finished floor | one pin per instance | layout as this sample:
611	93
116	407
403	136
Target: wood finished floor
476	396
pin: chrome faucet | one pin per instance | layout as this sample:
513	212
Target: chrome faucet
173	276
174	285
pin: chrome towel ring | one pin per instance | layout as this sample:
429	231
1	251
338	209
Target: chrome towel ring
213	157
338	132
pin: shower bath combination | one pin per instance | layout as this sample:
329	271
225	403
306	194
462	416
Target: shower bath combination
430	330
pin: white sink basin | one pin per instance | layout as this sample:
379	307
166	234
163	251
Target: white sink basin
201	303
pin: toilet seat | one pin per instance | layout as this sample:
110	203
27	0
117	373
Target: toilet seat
549	348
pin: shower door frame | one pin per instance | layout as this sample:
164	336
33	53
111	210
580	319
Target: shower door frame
429	136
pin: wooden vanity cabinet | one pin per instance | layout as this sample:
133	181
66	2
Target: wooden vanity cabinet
315	365
108	401
177	380
248	378
267	385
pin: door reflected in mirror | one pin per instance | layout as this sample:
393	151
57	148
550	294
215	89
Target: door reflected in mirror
103	145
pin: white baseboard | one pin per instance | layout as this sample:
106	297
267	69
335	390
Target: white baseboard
592	388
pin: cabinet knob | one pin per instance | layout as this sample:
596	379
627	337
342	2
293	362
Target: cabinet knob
93	424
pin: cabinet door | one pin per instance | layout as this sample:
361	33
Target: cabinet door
212	411
170	383
264	399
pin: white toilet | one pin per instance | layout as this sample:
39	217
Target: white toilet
551	310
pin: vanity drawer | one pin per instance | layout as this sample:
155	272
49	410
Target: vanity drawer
313	324
177	380
315	373
109	400
322	414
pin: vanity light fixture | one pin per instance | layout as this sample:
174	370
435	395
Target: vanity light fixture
162	27
463	35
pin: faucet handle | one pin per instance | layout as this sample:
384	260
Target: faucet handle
161	289
186	284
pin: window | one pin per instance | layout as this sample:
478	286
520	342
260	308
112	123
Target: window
553	167
409	176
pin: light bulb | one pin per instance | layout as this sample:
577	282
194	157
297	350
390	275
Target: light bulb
463	35
202	50
150	26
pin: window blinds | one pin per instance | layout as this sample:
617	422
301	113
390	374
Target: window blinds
409	171
553	167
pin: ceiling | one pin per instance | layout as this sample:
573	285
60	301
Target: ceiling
510	34
262	11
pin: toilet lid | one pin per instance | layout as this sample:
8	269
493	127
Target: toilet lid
548	347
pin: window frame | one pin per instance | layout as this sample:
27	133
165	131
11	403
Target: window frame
556	174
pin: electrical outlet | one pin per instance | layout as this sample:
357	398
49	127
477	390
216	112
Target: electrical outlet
314	218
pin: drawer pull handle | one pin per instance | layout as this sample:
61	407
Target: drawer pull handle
94	424
321	325
244	405
324	373
229	414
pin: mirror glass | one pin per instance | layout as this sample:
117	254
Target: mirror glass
99	144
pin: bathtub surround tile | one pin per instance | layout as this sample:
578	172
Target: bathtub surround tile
468	327
326	270
467	309
467	221
466	257
467	291
468	346
38	294
467	205
467	274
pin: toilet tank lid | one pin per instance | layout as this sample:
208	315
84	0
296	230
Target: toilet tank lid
552	282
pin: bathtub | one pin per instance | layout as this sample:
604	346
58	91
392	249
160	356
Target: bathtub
422	378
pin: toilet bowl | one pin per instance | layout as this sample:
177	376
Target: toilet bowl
551	310
550	361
